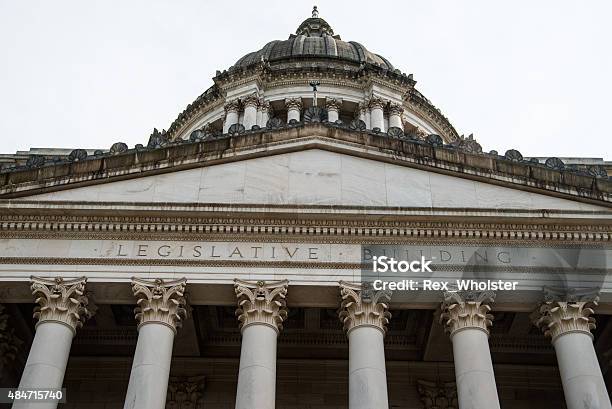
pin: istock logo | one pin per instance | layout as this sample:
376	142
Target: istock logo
383	264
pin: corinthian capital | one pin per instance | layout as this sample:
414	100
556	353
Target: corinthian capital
231	106
160	302
60	301
333	104
376	102
363	307
395	109
261	303
563	312
250	100
264	105
293	103
467	309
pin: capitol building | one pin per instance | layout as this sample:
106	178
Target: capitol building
222	263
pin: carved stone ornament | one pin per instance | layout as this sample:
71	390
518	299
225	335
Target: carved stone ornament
231	106
118	147
77	155
9	342
554	163
333	104
395	109
513	155
264	106
236	129
438	395
395	132
357	125
250	100
185	392
467	309
434	140
35	161
274	123
261	303
293	103
315	114
61	301
160	302
566	312
363	307
376	102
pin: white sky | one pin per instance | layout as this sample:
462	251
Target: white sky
530	75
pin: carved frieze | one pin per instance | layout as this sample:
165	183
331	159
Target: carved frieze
467	309
60	300
261	303
363	307
160	302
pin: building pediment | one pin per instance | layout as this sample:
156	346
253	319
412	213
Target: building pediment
311	164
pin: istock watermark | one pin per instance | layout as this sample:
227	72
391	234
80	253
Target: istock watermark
416	273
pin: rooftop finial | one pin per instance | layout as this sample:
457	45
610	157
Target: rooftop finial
315	12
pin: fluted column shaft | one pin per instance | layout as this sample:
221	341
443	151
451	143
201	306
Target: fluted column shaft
466	317
365	316
62	310
159	312
261	312
569	324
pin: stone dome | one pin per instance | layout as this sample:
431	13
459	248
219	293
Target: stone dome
314	38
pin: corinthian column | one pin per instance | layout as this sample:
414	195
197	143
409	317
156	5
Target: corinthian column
377	117
261	312
62	309
231	114
395	116
333	108
250	111
159	313
466	317
264	110
364	314
567	321
294	107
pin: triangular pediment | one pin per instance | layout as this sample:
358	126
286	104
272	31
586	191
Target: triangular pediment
315	177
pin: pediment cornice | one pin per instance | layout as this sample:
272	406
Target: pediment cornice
447	159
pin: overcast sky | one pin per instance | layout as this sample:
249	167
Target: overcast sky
530	75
